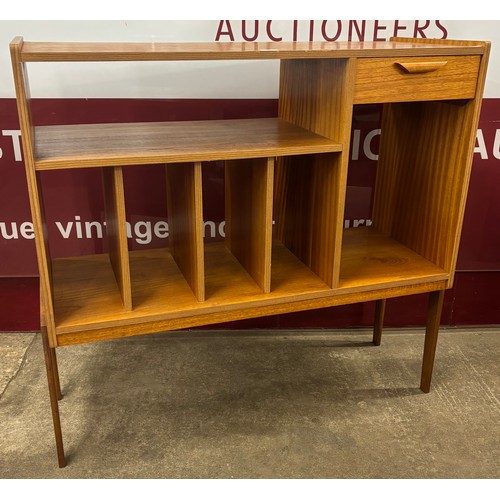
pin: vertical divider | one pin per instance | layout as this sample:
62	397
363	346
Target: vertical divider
116	231
185	222
310	190
249	215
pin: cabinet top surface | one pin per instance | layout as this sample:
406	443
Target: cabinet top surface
129	51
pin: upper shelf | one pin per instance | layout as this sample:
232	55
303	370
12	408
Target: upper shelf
114	144
160	51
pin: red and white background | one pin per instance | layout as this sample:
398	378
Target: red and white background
158	91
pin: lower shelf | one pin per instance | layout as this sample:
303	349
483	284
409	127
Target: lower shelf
87	297
372	260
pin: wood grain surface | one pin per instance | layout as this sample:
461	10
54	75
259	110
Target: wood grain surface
424	166
34	186
249	215
116	231
87	297
422	177
74	146
161	51
306	211
434	312
310	190
424	169
432	91
382	80
185	223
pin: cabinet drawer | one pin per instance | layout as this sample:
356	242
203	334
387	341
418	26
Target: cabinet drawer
403	79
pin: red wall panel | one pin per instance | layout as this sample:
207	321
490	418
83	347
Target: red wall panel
74	198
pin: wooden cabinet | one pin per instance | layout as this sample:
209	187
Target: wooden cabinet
285	247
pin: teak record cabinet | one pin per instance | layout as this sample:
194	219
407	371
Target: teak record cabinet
291	170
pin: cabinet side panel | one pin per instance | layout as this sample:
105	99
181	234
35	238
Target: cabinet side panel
116	231
467	144
185	218
249	215
316	95
34	187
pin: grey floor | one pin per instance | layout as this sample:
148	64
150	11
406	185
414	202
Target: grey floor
255	405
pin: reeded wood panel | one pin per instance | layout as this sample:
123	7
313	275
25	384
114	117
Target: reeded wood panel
249	215
116	231
185	223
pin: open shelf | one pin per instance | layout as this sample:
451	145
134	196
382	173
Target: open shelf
371	259
115	144
108	184
86	295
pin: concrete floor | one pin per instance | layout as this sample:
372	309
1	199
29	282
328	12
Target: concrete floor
255	405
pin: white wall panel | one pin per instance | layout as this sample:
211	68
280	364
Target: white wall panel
256	79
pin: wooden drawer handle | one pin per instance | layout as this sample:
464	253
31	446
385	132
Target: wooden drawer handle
421	67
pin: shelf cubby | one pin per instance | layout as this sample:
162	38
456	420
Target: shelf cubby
372	263
185	217
249	215
115	260
317	95
372	260
161	292
306	211
114	201
419	194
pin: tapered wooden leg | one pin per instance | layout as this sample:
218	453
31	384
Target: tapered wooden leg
56	374
379	321
54	392
434	311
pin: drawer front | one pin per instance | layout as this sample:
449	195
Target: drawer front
402	79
